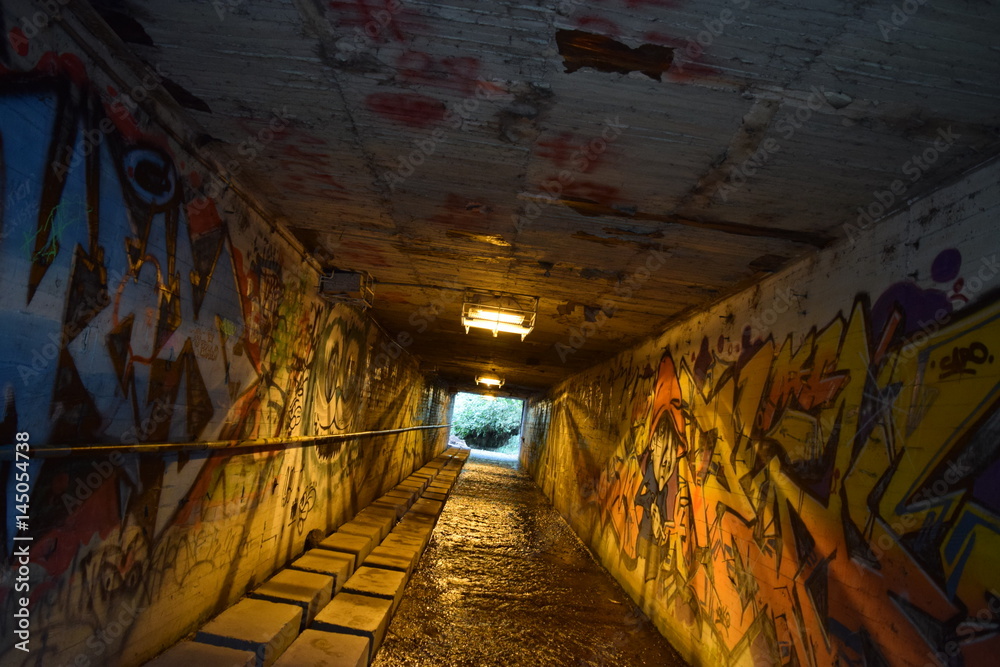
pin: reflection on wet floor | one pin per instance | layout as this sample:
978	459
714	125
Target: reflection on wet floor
505	581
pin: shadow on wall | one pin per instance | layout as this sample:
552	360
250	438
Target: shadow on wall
141	305
829	497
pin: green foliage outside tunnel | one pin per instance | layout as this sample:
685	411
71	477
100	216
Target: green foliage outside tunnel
484	422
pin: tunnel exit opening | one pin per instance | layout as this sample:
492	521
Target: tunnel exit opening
487	423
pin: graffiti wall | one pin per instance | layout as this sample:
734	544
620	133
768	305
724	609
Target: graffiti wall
808	473
141	302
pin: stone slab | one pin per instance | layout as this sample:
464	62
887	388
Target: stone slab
397	507
310	590
384	519
400	495
315	648
356	615
401	541
368	527
377	582
418	533
426	506
358	546
338	565
190	654
389	557
264	628
433	495
409	485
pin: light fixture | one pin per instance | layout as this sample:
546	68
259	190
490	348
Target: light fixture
490	380
353	287
499	311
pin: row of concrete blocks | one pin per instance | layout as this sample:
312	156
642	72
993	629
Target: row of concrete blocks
332	606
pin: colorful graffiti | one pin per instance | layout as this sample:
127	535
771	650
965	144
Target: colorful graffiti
138	307
829	498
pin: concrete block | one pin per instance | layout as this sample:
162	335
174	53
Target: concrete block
402	495
409	485
384	519
397	507
264	628
358	546
379	583
310	590
394	558
427	506
315	648
400	541
418	533
416	518
190	654
369	528
356	615
338	565
434	495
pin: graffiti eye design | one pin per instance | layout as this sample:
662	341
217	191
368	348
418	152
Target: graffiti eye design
151	176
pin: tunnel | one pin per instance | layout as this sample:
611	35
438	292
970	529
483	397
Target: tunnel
735	262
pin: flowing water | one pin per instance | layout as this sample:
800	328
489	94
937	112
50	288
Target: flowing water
505	581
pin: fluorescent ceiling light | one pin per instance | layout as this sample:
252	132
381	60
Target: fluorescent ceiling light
489	381
499	312
496	315
495	327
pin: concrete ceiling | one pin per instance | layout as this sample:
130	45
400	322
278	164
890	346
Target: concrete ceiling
412	136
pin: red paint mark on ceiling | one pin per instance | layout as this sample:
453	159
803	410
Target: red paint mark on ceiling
569	151
459	74
378	20
456	213
410	109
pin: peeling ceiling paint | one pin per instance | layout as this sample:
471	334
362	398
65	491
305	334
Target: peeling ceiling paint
548	148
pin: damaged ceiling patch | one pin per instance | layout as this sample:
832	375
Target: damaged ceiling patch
586	49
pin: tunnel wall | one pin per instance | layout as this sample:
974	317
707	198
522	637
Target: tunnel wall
142	301
807	473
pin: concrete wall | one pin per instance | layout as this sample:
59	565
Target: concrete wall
807	473
142	300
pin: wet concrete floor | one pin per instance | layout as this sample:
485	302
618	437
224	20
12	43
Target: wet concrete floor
504	581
